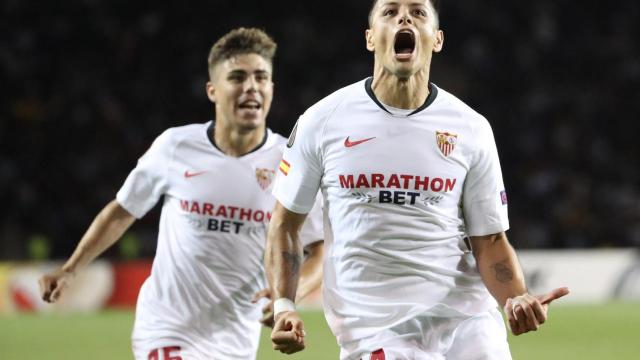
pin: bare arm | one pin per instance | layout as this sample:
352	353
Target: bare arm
108	226
501	273
310	280
498	266
283	254
104	231
282	262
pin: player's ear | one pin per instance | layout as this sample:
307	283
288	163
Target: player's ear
368	34
439	41
211	91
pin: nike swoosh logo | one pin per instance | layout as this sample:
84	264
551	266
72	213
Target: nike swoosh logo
187	174
348	143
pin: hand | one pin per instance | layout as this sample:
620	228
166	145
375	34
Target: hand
54	283
288	333
527	312
267	310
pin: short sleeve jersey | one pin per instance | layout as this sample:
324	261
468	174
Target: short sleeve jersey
212	233
401	193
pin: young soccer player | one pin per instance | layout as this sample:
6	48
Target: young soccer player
216	179
417	259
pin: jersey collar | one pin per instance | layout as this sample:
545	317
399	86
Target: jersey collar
211	136
433	93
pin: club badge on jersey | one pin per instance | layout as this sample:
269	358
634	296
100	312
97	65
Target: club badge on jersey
446	142
265	177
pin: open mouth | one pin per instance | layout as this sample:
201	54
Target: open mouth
250	105
404	44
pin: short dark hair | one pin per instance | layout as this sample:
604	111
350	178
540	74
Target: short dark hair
241	41
434	3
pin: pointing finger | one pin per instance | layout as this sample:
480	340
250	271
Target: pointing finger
553	295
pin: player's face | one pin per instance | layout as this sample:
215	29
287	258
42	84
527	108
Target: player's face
403	35
242	90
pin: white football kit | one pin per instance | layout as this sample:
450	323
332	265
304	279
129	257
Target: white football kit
209	260
402	191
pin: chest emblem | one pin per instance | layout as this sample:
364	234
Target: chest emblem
446	142
265	177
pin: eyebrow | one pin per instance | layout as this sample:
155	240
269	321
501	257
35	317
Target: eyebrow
395	3
240	71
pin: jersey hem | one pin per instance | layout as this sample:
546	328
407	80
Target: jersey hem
129	207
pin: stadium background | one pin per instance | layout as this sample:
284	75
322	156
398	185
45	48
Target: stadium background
87	86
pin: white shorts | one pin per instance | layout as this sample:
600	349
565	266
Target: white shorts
480	337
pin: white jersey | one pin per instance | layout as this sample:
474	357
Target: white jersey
212	234
401	193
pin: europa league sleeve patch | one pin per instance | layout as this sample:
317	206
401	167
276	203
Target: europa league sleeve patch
292	137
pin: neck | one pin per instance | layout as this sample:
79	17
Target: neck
402	93
236	142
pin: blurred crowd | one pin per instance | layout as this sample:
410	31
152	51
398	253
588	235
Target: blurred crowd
88	84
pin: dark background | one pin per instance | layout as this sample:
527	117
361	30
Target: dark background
87	85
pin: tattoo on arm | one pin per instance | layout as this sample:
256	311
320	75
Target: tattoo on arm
503	272
291	261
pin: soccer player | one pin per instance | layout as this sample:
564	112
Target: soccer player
417	259
216	181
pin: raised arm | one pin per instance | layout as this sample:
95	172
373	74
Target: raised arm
104	231
283	257
501	273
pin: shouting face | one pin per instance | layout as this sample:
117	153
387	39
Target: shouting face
403	35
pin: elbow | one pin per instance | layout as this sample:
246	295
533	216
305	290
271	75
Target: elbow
480	244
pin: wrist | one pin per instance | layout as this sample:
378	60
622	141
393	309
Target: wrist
69	269
283	305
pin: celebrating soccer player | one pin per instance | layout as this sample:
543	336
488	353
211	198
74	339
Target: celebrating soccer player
216	181
416	257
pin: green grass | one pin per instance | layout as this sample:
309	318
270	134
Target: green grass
585	332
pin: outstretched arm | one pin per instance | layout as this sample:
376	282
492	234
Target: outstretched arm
104	231
501	273
283	258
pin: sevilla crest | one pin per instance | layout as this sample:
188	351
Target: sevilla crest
265	177
446	142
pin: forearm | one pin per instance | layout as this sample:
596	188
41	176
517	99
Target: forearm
311	272
108	226
284	252
499	267
286	256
